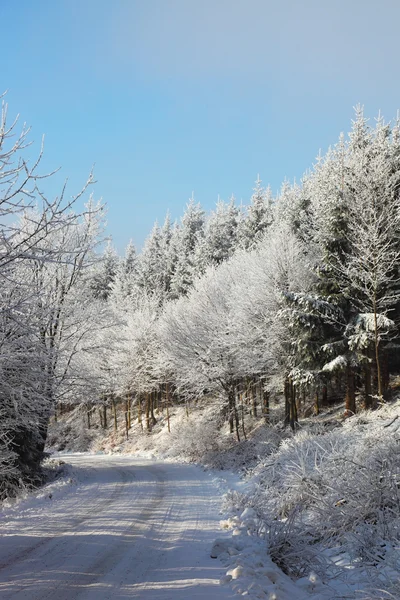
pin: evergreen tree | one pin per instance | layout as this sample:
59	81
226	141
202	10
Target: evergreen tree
150	278
105	273
125	284
354	209
220	236
157	262
183	248
258	217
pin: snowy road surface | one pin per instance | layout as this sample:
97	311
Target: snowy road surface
131	528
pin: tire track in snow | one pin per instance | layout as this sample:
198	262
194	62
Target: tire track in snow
96	508
150	540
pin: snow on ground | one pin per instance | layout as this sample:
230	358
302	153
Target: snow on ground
61	479
328	495
328	499
129	528
123	527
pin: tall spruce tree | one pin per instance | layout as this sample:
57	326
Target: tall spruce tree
183	248
220	235
258	216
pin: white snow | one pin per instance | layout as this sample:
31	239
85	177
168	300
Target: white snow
144	527
128	528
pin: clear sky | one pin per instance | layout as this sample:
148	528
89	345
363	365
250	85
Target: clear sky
167	97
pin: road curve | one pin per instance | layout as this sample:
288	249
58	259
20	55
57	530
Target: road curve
131	528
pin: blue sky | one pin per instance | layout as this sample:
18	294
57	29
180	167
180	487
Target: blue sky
167	97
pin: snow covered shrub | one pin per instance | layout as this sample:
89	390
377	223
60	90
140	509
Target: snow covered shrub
9	473
389	590
196	436
292	548
341	489
245	455
70	434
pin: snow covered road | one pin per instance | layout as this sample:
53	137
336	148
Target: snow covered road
131	528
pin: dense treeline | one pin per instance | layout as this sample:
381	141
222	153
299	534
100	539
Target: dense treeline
295	296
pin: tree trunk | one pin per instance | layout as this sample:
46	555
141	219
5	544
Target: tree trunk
293	407
104	416
377	360
316	405
237	423
114	407
233	415
231	404
253	399
126	425
368	400
286	420
350	402
153	419
128	411
167	405
140	421
158	401
147	410
266	406
242	411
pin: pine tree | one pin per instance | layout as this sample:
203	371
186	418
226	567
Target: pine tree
183	248
258	217
150	276
105	273
353	195
220	236
125	284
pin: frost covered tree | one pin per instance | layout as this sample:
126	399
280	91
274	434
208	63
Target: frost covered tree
64	315
370	272
149	263
230	326
196	344
156	262
351	220
127	365
43	247
220	236
124	285
258	217
105	272
185	241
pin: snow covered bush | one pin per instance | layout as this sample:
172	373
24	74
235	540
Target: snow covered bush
340	490
197	436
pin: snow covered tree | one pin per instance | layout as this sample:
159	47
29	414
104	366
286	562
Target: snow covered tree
62	295
168	255
125	278
196	345
105	272
258	217
370	272
43	247
150	278
352	221
156	262
185	241
220	236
